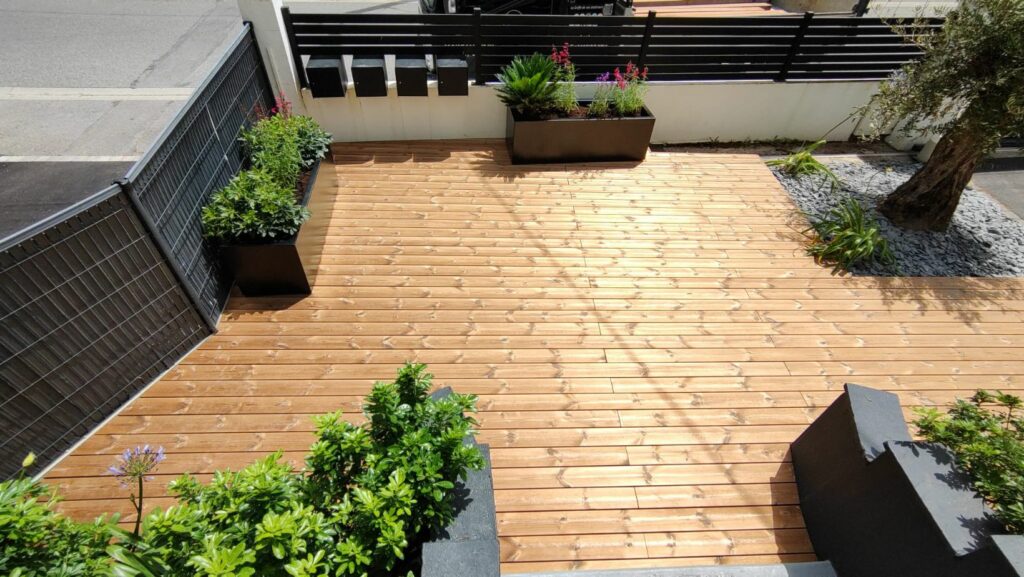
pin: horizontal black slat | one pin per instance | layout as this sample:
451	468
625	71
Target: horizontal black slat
574	42
380	40
320	29
578	50
581	29
539	19
826	58
846	66
299	18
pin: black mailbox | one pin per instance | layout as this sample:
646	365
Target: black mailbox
326	75
369	76
411	75
452	77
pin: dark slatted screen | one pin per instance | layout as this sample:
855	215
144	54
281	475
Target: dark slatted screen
676	48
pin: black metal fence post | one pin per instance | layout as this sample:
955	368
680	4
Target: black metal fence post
293	46
648	30
168	254
478	49
794	47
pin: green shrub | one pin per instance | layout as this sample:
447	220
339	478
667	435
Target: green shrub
368	494
35	541
253	207
846	236
803	163
314	142
273	147
988	442
529	85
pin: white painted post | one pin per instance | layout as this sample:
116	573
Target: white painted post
267	23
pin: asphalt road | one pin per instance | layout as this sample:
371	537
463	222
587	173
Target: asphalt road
1003	179
87	85
102	77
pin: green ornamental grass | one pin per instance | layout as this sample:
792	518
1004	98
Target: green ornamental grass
802	163
846	236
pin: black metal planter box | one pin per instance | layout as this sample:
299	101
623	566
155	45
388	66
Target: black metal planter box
578	139
271	268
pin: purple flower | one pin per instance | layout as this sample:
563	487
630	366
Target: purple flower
135	464
604	77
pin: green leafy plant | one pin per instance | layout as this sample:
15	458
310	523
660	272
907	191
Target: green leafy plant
36	541
314	142
529	85
846	236
986	436
253	207
273	146
369	493
802	163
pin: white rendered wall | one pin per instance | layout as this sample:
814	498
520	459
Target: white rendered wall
686	112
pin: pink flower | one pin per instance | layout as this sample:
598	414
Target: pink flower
644	73
619	79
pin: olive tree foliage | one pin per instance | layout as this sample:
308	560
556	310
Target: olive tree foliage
968	87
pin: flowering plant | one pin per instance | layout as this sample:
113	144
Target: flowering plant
133	470
565	80
620	93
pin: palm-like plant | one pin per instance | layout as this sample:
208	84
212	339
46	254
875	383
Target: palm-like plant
529	85
803	163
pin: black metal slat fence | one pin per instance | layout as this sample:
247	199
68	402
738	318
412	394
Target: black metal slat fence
776	48
99	299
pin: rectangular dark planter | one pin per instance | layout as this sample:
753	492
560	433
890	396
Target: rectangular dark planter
271	268
578	139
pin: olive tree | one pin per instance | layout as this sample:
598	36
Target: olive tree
968	87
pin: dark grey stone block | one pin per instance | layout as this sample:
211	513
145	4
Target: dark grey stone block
461	559
468	546
327	77
411	75
890	507
946	496
813	569
452	76
369	76
1011	550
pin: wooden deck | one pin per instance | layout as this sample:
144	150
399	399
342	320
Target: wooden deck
645	341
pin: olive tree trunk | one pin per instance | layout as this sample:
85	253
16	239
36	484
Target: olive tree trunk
928	200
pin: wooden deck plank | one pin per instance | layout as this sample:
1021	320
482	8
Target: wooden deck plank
645	341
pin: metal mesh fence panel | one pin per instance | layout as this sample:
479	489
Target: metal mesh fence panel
91	314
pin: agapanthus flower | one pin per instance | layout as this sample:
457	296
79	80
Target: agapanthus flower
137	463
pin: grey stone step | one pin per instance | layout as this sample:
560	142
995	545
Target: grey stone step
815	569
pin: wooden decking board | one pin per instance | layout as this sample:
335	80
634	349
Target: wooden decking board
645	341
